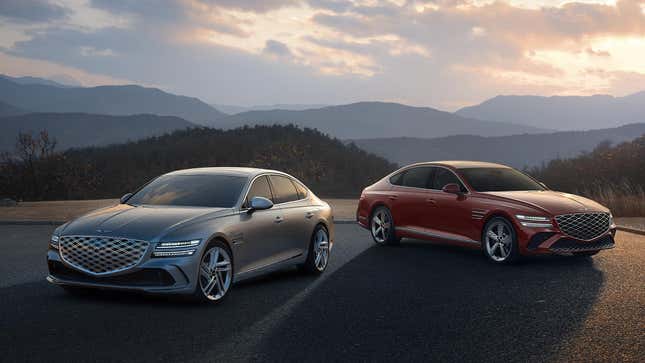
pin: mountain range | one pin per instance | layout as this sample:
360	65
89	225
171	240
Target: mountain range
233	109
33	80
106	100
377	119
562	112
9	110
80	116
517	150
74	130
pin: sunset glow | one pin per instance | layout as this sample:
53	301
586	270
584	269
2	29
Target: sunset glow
540	47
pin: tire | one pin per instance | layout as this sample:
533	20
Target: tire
499	241
318	253
382	227
214	274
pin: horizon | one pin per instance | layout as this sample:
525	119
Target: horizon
266	107
439	54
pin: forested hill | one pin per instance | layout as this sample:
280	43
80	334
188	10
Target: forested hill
328	166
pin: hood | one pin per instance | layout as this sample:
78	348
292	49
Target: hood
138	222
552	202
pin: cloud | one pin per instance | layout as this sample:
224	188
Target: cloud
443	53
32	10
259	6
276	48
598	53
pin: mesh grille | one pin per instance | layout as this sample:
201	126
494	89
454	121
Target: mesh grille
566	245
584	226
101	255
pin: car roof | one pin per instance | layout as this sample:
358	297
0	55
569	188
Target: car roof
462	164
235	171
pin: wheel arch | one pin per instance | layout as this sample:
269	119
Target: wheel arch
376	205
221	238
492	215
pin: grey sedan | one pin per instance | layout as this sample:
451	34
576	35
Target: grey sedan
195	232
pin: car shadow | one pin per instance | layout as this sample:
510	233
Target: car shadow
426	302
48	324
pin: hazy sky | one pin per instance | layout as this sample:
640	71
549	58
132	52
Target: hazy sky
443	53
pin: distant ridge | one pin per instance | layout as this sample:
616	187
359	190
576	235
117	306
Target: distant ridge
9	110
562	112
107	100
233	109
378	119
73	130
516	150
32	80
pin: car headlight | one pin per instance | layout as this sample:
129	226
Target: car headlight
534	221
611	220
53	242
176	249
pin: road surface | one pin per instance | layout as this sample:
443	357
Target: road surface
419	302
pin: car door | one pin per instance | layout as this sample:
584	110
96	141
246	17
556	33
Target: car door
296	227
452	212
258	237
409	199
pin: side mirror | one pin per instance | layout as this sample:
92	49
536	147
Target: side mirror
125	198
452	188
259	203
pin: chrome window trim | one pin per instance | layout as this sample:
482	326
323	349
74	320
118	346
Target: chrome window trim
406	168
248	189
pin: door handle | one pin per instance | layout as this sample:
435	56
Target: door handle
392	197
431	201
279	219
309	215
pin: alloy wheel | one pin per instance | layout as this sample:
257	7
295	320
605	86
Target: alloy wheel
215	273
321	249
381	225
498	241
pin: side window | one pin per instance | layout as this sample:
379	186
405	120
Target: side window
397	179
417	177
284	189
260	188
444	176
302	191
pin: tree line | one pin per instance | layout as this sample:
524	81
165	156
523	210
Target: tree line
36	171
612	175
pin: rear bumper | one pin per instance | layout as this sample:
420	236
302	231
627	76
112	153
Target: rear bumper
155	275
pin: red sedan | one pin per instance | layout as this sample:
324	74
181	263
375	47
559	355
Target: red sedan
490	206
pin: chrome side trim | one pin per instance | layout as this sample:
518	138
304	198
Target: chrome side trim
437	235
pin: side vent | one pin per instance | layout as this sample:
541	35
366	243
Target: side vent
478	214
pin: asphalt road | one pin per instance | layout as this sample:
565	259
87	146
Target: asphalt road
419	301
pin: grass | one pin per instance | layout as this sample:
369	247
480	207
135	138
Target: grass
624	200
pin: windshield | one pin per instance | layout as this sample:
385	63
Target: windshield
498	179
214	191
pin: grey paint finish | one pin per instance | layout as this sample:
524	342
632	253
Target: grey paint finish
260	240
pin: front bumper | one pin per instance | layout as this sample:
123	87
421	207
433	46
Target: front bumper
551	241
175	275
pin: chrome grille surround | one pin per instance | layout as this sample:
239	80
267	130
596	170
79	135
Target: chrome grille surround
584	226
101	255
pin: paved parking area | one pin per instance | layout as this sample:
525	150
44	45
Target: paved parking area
419	301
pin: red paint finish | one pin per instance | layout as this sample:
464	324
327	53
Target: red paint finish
433	214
